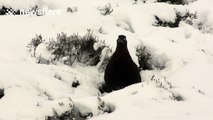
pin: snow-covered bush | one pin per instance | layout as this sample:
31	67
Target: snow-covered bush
69	49
34	43
87	54
148	60
106	10
67	115
103	107
135	2
105	57
172	1
81	111
75	48
1	93
64	47
72	9
205	28
86	49
186	16
143	58
162	83
84	111
35	11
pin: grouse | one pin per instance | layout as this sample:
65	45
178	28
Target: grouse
121	71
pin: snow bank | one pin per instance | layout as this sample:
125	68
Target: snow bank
180	90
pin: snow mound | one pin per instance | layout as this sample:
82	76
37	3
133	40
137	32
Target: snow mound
177	87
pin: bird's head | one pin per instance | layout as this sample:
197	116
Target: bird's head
122	40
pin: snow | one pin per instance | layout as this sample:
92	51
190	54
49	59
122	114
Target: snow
181	90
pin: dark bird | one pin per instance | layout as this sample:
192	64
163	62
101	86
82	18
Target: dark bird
121	71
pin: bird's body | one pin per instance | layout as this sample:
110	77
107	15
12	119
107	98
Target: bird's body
121	70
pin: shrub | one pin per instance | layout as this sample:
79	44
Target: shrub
67	115
72	9
34	43
64	47
105	57
75	48
106	10
87	54
135	2
204	28
163	84
172	1
148	61
187	17
88	50
76	111
35	11
143	58
68	49
103	107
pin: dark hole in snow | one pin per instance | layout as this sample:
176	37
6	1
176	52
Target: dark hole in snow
179	98
57	76
1	93
75	84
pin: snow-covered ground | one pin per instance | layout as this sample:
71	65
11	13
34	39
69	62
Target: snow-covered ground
181	91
